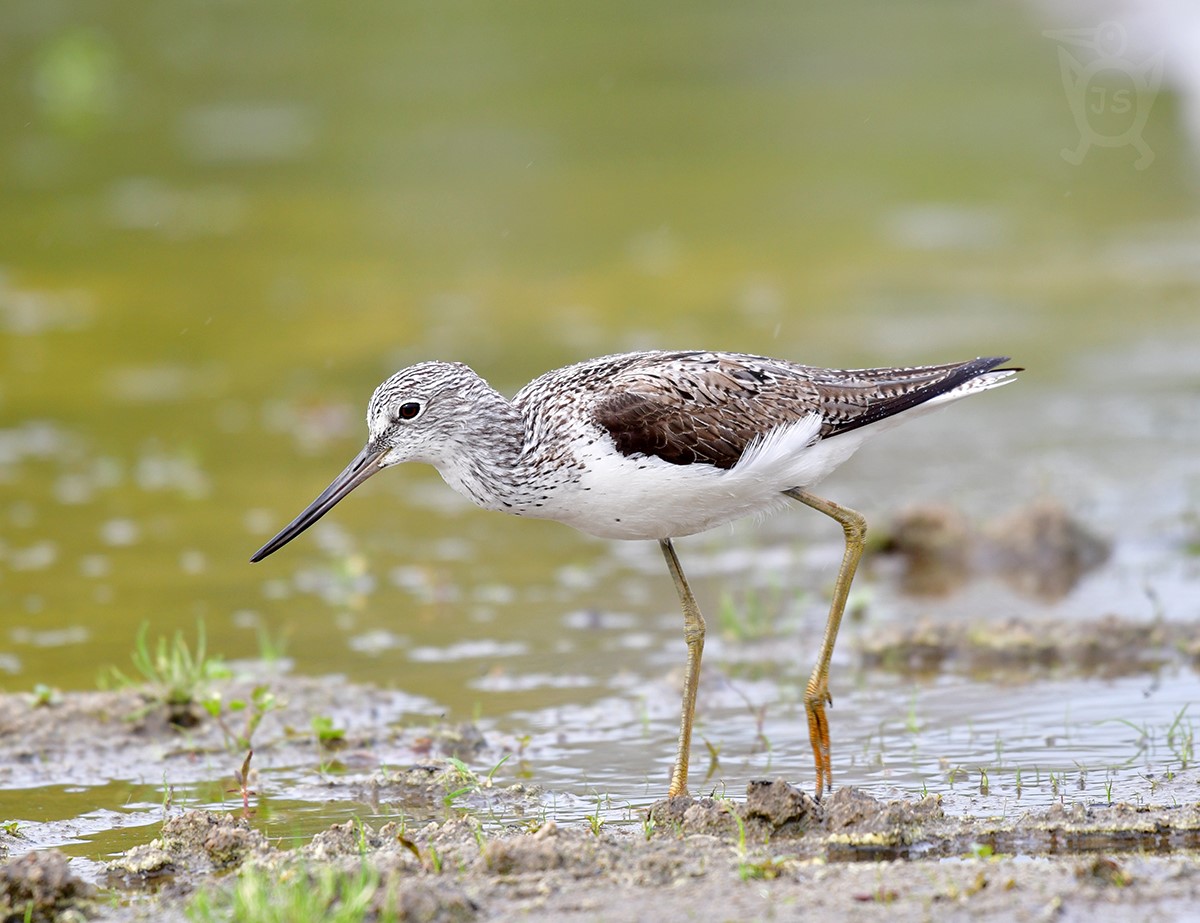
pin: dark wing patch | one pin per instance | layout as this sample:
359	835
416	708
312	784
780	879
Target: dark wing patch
701	408
643	424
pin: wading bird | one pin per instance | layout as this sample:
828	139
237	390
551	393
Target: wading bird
654	445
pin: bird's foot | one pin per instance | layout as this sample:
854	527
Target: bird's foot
816	697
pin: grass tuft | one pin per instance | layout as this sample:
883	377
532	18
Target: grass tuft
326	894
174	675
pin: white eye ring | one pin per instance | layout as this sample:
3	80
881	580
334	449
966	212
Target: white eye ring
409	410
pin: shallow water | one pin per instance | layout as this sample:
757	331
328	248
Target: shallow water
219	233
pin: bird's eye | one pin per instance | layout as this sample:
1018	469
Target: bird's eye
409	410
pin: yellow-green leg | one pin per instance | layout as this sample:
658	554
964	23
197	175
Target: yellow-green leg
693	634
816	693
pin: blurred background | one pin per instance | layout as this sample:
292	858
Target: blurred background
223	223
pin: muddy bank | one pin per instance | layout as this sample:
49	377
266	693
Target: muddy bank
775	852
463	846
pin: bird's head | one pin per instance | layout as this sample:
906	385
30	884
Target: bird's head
422	413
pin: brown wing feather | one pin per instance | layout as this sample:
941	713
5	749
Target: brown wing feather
706	408
689	408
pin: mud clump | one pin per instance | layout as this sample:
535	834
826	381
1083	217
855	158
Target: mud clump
40	886
849	823
782	806
777	811
855	821
669	812
935	545
1040	550
1109	647
544	851
1043	551
682	814
346	839
193	841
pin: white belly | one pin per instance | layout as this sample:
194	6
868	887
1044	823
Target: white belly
644	497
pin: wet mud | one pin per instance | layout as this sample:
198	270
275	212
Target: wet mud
775	851
462	848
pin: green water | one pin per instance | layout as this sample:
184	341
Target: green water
221	224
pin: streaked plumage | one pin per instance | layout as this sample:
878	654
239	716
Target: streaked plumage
649	445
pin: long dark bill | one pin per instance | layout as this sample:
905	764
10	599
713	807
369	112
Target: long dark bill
356	472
